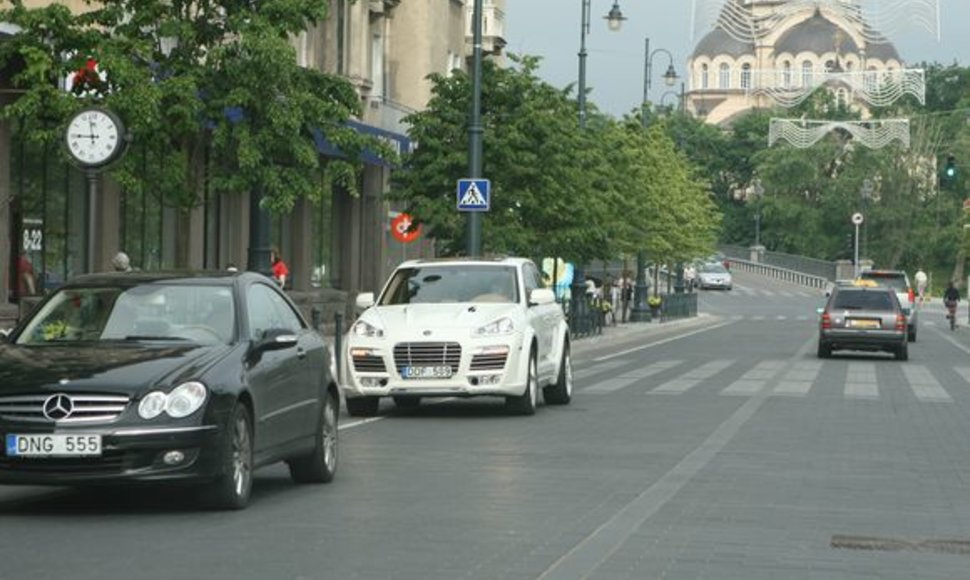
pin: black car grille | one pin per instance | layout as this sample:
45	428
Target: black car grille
489	362
369	364
427	354
83	408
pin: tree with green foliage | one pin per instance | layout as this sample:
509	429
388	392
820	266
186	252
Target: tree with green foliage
590	194
210	91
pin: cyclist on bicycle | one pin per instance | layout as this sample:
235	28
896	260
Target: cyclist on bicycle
950	298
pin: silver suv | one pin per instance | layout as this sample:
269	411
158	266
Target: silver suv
899	282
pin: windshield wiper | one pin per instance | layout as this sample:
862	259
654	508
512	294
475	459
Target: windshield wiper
154	337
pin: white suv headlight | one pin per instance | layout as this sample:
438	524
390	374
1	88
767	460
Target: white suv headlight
362	328
184	400
500	327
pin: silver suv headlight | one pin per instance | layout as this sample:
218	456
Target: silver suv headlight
500	327
365	329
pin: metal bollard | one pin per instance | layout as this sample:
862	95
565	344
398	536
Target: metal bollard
316	318
338	341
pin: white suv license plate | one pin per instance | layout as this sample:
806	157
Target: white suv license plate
437	372
53	445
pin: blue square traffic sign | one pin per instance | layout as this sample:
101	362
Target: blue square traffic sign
474	194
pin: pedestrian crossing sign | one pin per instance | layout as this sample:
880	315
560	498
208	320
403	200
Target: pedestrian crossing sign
474	194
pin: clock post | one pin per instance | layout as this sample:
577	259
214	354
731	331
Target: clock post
95	137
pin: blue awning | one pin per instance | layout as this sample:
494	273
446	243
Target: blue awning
397	142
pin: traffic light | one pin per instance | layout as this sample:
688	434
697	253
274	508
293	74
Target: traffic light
951	167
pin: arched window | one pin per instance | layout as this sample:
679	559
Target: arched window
786	75
724	76
807	73
705	77
746	76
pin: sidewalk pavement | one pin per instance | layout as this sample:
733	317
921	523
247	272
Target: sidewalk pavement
631	333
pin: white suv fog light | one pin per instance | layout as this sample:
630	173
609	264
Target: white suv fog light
371	382
489	379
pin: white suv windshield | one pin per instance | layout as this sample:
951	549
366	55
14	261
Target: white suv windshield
442	284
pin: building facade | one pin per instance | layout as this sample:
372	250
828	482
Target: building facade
385	48
788	54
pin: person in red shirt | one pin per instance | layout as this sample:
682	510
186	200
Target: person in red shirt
26	284
280	271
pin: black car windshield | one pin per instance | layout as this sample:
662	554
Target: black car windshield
156	311
864	300
442	284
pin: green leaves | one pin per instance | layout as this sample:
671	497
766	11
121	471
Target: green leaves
556	190
196	82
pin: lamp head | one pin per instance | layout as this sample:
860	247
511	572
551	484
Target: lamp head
615	18
670	77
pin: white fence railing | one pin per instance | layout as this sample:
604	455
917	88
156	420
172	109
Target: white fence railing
777	273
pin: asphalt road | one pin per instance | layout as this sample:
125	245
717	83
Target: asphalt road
719	448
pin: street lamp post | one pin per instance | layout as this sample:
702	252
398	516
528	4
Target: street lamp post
866	191
473	221
614	20
641	311
758	191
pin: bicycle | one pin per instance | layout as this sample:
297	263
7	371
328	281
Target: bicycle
951	313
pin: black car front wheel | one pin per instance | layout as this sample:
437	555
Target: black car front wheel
363	406
231	490
320	466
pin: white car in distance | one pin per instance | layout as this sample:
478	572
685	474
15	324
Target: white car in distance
458	327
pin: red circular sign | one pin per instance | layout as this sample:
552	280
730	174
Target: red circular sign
401	228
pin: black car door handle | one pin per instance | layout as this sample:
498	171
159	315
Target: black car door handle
300	353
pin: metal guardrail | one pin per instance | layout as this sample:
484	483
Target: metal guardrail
777	273
813	266
678	305
590	317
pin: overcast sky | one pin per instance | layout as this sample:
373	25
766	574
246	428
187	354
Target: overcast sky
551	29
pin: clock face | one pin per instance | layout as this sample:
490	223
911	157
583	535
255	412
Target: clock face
93	137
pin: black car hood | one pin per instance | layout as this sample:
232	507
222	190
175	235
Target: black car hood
103	367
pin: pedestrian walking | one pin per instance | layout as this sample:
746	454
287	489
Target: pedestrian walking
280	270
921	280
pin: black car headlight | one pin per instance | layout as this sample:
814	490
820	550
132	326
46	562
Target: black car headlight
184	400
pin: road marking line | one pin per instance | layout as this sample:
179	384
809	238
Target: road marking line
799	380
691	379
596	369
755	379
662	341
925	386
861	382
583	559
946	336
963	372
627	379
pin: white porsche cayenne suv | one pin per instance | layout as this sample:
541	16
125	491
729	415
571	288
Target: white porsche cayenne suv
458	327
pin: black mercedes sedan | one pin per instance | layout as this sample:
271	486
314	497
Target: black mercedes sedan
195	378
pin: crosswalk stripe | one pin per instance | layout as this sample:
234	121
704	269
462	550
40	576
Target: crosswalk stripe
755	379
599	368
627	379
860	382
924	384
693	378
798	381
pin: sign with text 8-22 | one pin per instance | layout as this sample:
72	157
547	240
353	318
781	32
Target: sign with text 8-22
474	194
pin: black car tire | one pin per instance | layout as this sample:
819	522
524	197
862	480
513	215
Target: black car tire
407	402
561	392
232	488
363	406
525	404
902	352
320	466
824	350
911	334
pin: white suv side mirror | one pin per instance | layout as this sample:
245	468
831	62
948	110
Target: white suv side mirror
365	300
541	296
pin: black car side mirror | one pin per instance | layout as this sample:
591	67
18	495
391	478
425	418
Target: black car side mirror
276	339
